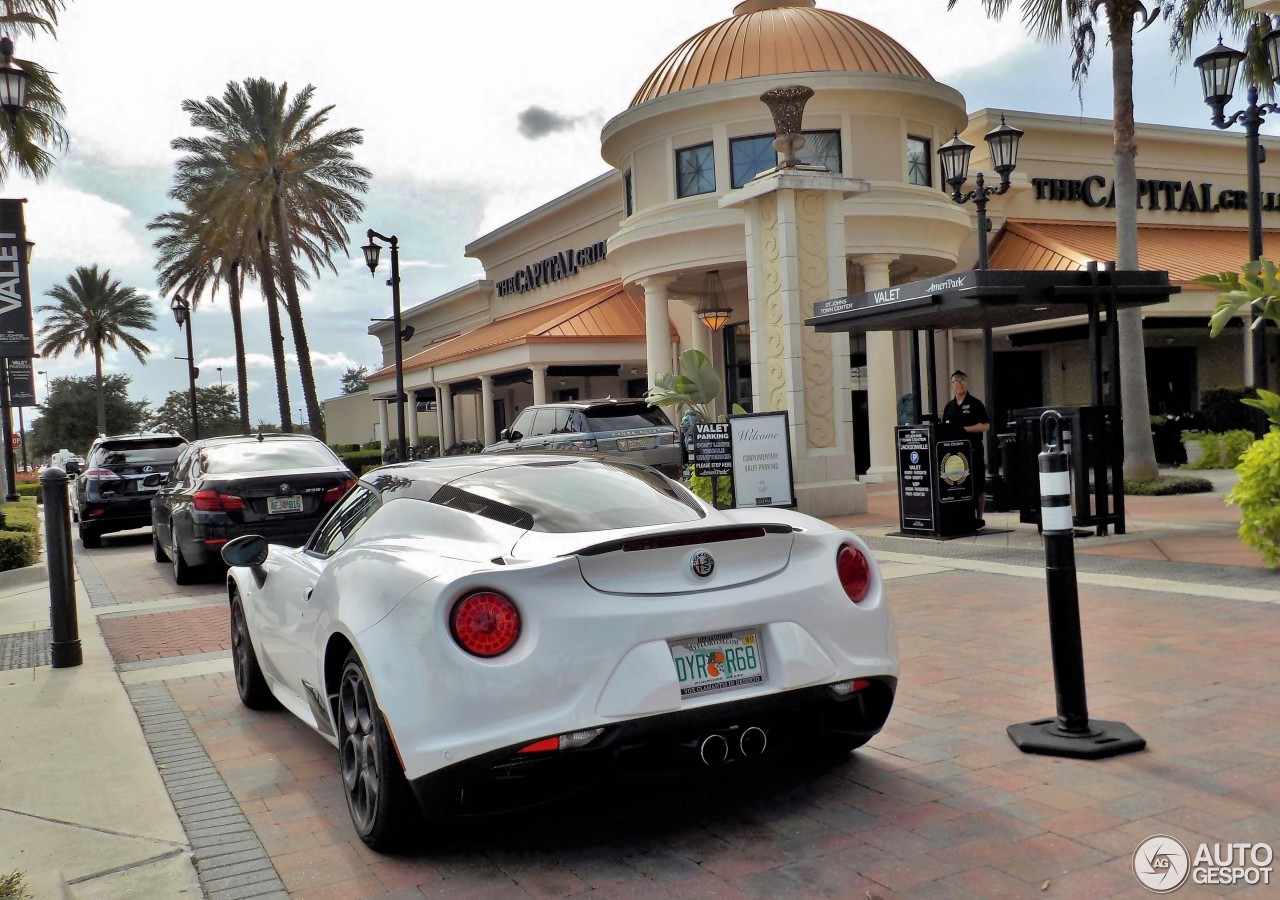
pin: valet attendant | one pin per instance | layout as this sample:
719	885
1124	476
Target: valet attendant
966	411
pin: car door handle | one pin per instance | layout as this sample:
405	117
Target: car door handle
307	596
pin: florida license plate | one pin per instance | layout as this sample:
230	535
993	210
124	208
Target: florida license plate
718	662
284	504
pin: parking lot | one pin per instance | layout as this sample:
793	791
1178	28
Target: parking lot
941	804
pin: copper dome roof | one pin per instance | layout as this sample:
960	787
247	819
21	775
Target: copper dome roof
775	37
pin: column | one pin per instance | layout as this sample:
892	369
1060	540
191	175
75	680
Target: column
882	384
539	384
439	420
383	420
486	409
1246	317
447	439
412	412
657	326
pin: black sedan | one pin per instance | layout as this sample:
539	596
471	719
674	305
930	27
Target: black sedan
278	486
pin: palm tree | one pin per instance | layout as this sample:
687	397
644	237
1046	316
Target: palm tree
94	313
29	144
300	179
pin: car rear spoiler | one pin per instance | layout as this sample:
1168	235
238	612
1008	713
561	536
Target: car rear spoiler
665	539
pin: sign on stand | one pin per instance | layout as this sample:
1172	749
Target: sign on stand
712	450
761	460
915	481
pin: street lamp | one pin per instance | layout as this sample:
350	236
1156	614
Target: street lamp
13	82
45	373
399	334
1218	70
219	376
1002	142
182	315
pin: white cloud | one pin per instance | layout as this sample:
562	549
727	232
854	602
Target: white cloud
72	227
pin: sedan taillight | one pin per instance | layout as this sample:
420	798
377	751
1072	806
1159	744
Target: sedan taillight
485	624
334	494
212	501
854	572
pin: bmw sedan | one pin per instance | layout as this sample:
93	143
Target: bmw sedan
275	485
466	629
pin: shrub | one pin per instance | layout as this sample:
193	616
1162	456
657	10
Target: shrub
21	515
1222	409
1166	485
1257	493
361	461
463	448
31	489
701	487
20	538
1220	451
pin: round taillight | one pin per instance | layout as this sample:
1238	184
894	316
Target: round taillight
486	624
854	573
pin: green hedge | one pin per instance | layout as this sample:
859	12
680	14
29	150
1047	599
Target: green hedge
1166	485
20	538
360	461
31	489
1220	451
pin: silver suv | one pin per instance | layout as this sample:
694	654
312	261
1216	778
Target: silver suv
630	428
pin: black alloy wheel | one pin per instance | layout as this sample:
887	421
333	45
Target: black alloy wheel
251	684
181	571
377	793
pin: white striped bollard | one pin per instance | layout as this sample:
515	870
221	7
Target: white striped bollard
1072	733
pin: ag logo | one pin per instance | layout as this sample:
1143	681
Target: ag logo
702	564
1161	864
955	468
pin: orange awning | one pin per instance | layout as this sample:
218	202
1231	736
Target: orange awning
1185	252
606	314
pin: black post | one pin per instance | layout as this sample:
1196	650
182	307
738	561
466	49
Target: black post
22	438
1072	733
916	399
1115	440
1101	446
10	482
371	258
981	193
191	380
931	367
1252	125
65	646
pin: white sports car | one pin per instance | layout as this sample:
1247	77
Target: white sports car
464	628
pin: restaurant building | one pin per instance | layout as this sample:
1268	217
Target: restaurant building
591	294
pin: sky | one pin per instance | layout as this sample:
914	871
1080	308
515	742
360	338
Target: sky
472	114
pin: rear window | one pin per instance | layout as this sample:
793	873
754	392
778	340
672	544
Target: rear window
268	456
139	452
572	496
625	418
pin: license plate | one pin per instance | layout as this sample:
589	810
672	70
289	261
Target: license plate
718	662
640	443
284	504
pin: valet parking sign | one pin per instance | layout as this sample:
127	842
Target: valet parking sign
761	460
15	291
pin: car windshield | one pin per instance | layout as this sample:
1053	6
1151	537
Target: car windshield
572	496
267	456
138	453
625	418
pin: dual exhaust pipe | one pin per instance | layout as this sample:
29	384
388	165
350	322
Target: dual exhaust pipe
716	749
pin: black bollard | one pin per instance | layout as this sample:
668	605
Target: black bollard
1072	733
65	647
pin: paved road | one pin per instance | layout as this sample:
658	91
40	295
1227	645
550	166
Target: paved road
940	805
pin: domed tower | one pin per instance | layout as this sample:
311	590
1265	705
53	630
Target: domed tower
696	137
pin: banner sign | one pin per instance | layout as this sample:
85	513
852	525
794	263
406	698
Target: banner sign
762	460
913	293
22	382
712	450
15	287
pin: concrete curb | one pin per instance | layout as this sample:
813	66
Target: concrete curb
24	576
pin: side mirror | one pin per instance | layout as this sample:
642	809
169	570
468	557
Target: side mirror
514	435
247	550
504	434
73	467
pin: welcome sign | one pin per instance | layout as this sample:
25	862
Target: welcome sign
761	460
15	290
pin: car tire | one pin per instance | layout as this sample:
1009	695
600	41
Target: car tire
251	684
90	538
373	781
182	573
157	550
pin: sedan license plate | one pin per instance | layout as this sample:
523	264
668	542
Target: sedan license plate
640	443
284	504
718	662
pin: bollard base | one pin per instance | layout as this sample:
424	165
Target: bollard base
65	654
1103	739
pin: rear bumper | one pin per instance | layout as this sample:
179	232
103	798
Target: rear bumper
115	515
668	744
198	552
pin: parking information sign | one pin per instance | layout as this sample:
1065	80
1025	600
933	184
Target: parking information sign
15	291
712	450
762	460
22	385
915	485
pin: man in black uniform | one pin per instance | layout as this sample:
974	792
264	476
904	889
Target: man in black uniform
966	411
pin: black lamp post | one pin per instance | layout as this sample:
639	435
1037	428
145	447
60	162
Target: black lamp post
1218	70
399	334
954	157
182	315
13	82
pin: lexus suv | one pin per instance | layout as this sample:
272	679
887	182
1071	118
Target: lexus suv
121	475
630	428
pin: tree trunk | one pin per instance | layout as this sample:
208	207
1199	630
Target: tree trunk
268	272
284	244
237	326
1139	450
102	393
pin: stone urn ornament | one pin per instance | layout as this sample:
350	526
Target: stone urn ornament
786	105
